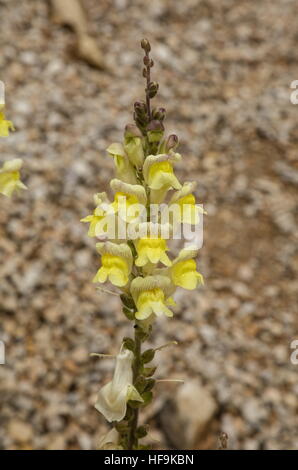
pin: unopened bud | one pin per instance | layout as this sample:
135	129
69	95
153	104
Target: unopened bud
141	123
155	130
152	89
146	60
155	126
171	143
145	44
131	130
159	113
145	73
140	108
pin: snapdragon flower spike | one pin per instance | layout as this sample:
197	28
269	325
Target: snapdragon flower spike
10	177
113	397
151	296
141	268
116	260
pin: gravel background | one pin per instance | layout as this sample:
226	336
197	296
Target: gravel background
224	70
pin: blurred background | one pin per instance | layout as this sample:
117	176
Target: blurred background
224	70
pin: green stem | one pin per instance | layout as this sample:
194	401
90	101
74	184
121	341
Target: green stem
132	437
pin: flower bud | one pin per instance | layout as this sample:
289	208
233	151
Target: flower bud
171	143
140	114
140	109
155	130
141	124
131	130
155	126
159	113
152	89
145	44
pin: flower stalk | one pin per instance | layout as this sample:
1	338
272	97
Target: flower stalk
133	438
138	264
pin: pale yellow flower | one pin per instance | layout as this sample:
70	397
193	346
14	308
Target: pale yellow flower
183	205
159	175
10	177
110	441
97	227
129	200
116	263
151	296
133	145
184	272
124	169
5	126
113	397
152	250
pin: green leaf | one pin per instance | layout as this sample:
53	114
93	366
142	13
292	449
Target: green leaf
147	397
141	384
127	301
149	385
147	356
129	343
142	431
130	314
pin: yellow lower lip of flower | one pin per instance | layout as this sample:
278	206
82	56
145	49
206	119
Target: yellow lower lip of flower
94	221
184	274
152	302
114	268
161	175
5	126
152	250
9	182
